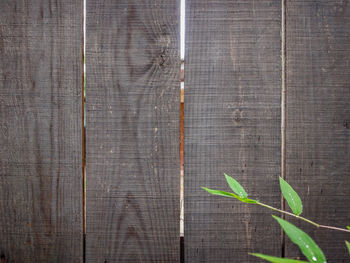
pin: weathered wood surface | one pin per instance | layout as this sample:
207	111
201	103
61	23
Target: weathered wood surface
232	125
40	131
318	117
133	131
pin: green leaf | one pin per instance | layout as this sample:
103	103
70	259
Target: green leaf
292	197
348	227
348	246
307	246
231	195
276	259
236	187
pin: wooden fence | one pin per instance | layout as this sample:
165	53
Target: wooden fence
267	89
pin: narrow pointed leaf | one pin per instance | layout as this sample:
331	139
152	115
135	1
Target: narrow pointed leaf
292	197
276	259
307	246
348	246
231	195
236	187
219	192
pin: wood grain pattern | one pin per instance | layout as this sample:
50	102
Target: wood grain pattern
133	131
318	112
232	125
40	131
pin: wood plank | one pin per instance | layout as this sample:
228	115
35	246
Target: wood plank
318	110
232	125
40	131
133	131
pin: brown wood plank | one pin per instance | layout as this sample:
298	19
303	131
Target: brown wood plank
40	131
133	131
318	112
232	125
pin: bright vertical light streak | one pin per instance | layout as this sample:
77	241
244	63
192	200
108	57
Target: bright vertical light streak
182	29
182	57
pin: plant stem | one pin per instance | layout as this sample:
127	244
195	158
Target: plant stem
334	228
303	218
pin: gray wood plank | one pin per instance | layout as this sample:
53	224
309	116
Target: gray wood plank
318	112
232	125
133	131
40	131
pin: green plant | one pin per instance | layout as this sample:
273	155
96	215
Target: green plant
307	246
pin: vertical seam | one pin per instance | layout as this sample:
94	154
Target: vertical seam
83	131
182	116
283	112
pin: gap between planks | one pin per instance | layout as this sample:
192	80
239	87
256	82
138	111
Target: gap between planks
83	49
283	111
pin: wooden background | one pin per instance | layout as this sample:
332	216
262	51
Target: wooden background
41	215
124	204
132	131
232	125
